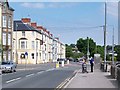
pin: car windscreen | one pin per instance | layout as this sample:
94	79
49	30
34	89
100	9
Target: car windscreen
4	63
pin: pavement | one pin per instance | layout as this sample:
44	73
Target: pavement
97	79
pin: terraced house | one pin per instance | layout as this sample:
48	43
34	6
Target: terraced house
6	28
33	44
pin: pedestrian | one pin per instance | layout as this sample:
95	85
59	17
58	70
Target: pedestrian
84	66
92	64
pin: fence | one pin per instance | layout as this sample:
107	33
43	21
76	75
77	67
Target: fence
118	77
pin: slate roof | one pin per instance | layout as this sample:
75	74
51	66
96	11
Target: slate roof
20	26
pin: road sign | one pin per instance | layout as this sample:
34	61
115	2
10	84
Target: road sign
26	53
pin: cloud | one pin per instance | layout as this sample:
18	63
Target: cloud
47	5
33	5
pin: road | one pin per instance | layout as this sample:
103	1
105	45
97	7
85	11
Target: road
46	76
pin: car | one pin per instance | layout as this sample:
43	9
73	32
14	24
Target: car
8	66
60	60
76	60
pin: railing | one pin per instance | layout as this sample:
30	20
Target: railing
115	73
118	77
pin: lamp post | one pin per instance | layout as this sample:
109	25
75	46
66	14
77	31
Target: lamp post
16	44
88	52
112	44
113	47
105	64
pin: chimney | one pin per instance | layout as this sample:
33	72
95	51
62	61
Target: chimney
57	38
34	24
39	27
26	20
49	32
51	35
44	29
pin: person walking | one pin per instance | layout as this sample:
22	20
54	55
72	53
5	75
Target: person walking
92	64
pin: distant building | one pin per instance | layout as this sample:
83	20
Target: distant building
6	28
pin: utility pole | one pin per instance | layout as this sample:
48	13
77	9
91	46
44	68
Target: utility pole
16	45
88	52
105	64
113	47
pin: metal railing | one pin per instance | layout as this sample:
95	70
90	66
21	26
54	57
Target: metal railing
118	77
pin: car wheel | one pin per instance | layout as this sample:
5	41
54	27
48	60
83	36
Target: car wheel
11	70
14	70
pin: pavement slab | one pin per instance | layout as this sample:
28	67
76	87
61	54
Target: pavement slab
97	79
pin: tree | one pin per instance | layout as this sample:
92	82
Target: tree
100	50
68	51
82	45
72	45
117	50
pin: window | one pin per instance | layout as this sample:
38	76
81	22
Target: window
32	55
23	33
22	44
45	47
4	55
4	38
13	55
33	45
22	56
26	44
13	44
9	55
40	55
9	22
4	21
9	39
36	44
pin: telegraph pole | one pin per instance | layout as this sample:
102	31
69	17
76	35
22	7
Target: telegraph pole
113	47
105	64
88	52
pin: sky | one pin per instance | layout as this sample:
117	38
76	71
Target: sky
71	20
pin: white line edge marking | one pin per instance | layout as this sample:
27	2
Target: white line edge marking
40	72
50	69
29	75
13	80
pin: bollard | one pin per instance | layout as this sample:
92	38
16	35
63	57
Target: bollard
113	71
102	67
57	64
62	63
68	62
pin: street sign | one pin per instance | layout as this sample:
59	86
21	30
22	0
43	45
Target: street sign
26	53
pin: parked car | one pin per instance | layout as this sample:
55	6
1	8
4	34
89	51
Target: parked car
76	60
8	66
61	59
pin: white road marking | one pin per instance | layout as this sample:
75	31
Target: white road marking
40	72
13	80
29	75
50	69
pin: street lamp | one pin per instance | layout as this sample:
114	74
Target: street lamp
88	52
105	64
16	25
113	47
